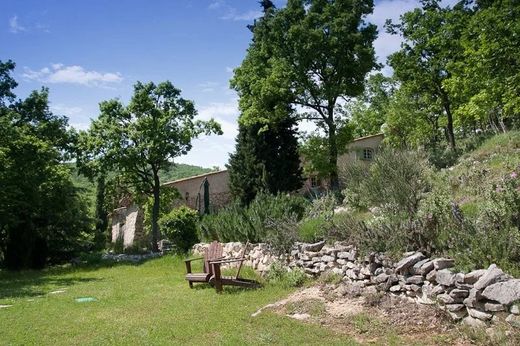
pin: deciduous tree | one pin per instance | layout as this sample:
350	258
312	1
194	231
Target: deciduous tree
317	53
144	137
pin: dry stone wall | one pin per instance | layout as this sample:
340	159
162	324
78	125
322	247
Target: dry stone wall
477	298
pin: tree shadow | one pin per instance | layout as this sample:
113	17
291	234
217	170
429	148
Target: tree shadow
34	284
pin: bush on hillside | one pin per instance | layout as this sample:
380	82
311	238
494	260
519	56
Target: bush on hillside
180	227
494	235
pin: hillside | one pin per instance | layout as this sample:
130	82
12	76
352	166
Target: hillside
484	168
180	171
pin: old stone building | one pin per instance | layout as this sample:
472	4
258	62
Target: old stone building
193	192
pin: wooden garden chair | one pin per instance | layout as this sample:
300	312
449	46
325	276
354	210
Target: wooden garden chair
219	281
211	253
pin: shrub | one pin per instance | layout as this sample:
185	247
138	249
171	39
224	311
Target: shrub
281	234
180	227
254	223
313	230
494	235
393	188
395	182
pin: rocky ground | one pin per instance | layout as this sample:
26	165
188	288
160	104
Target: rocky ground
375	318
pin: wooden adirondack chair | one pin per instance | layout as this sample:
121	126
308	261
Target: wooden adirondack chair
212	253
218	280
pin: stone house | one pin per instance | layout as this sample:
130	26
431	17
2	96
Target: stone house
192	190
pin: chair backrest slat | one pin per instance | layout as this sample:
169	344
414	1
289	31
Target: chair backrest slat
213	252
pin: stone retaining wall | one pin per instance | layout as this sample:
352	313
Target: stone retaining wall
478	298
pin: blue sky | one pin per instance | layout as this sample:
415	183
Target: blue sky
90	51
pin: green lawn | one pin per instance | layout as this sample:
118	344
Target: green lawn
142	304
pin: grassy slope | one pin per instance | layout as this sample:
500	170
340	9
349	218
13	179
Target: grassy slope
485	167
142	304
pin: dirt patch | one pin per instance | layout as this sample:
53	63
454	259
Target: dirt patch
370	317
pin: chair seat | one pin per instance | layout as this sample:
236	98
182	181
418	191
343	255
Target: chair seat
197	277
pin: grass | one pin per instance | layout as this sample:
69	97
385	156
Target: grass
147	304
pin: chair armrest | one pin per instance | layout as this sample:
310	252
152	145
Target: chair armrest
193	259
228	260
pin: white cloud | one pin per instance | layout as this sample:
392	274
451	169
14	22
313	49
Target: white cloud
225	113
59	73
69	111
214	150
216	4
233	14
14	26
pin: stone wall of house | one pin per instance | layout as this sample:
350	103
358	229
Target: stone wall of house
477	298
127	224
192	192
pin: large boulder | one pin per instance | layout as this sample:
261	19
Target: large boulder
493	274
503	292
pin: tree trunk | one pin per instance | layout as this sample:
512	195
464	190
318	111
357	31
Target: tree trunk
101	235
450	135
155	212
449	127
333	157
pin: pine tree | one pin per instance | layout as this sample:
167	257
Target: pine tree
265	160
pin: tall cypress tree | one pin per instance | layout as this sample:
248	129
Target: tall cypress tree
266	159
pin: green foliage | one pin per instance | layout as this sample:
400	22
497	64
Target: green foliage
486	76
44	219
395	182
315	150
494	235
307	54
368	113
180	226
312	230
279	275
266	217
169	197
393	188
266	159
423	64
142	138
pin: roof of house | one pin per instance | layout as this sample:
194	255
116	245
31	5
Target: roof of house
194	177
367	137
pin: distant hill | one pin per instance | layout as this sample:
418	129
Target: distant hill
181	170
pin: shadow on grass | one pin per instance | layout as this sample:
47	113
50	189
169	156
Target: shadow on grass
32	284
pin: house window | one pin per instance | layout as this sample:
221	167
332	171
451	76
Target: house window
315	182
368	154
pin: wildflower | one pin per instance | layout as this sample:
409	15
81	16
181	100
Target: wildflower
513	175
